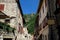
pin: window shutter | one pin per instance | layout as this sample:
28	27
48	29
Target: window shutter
1	7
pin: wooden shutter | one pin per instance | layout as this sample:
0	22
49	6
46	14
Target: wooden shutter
1	7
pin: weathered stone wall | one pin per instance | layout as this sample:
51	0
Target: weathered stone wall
43	12
11	9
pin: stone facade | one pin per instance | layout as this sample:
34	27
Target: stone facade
41	28
10	8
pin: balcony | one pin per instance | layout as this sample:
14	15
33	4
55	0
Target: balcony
40	32
5	28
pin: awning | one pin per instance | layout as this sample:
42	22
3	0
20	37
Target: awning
3	16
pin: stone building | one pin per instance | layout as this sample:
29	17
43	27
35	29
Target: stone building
6	32
57	15
41	26
53	19
11	13
11	9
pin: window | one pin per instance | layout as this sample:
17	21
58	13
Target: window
40	27
45	37
40	37
45	23
7	20
43	9
58	3
1	27
40	15
45	3
1	7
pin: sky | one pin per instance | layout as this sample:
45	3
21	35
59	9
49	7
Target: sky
29	6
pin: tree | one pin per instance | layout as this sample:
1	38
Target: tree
6	27
30	24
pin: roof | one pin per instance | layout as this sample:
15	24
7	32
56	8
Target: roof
3	15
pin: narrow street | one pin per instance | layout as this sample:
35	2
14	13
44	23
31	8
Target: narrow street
29	19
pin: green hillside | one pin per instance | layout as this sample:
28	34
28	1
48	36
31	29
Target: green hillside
30	21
